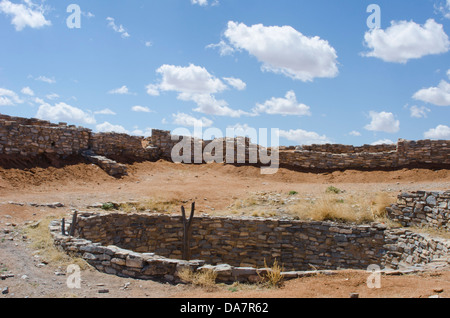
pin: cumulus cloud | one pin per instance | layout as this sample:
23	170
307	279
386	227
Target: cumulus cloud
444	8
208	104
9	98
303	137
25	14
285	50
141	109
440	132
52	96
27	91
283	106
186	120
61	112
223	47
192	79
45	79
117	28
108	127
195	83
120	91
204	3
439	96
383	142
355	133
236	83
404	40
105	111
384	122
419	112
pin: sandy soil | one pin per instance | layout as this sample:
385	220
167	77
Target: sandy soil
213	187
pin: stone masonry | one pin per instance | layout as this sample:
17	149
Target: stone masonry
422	209
148	246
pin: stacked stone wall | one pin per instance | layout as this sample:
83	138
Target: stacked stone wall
148	246
422	209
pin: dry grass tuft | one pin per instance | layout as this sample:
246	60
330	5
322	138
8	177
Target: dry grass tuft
347	209
273	277
154	205
205	278
41	240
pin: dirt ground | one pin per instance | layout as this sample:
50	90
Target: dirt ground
25	193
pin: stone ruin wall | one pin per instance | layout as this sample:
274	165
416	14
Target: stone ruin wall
148	246
423	209
32	137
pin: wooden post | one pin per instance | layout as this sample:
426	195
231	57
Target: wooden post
186	232
73	225
63	226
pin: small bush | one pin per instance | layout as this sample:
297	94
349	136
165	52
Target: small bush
293	193
108	206
332	189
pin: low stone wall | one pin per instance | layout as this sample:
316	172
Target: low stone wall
148	246
405	248
241	242
422	209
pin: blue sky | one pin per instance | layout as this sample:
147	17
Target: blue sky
316	70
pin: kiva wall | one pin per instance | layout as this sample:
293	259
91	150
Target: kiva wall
148	246
241	242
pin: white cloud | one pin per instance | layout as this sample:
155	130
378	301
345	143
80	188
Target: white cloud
285	50
152	90
52	96
190	121
117	28
45	79
224	48
139	132
404	40
24	15
62	112
148	43
9	98
444	8
448	72
355	133
141	109
204	2
283	106
27	91
439	96
440	132
383	142
191	79
236	83
107	127
384	122
105	111
194	83
419	112
120	91
303	137
208	104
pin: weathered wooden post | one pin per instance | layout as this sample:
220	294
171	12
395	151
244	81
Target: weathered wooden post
63	226
187	223
74	223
